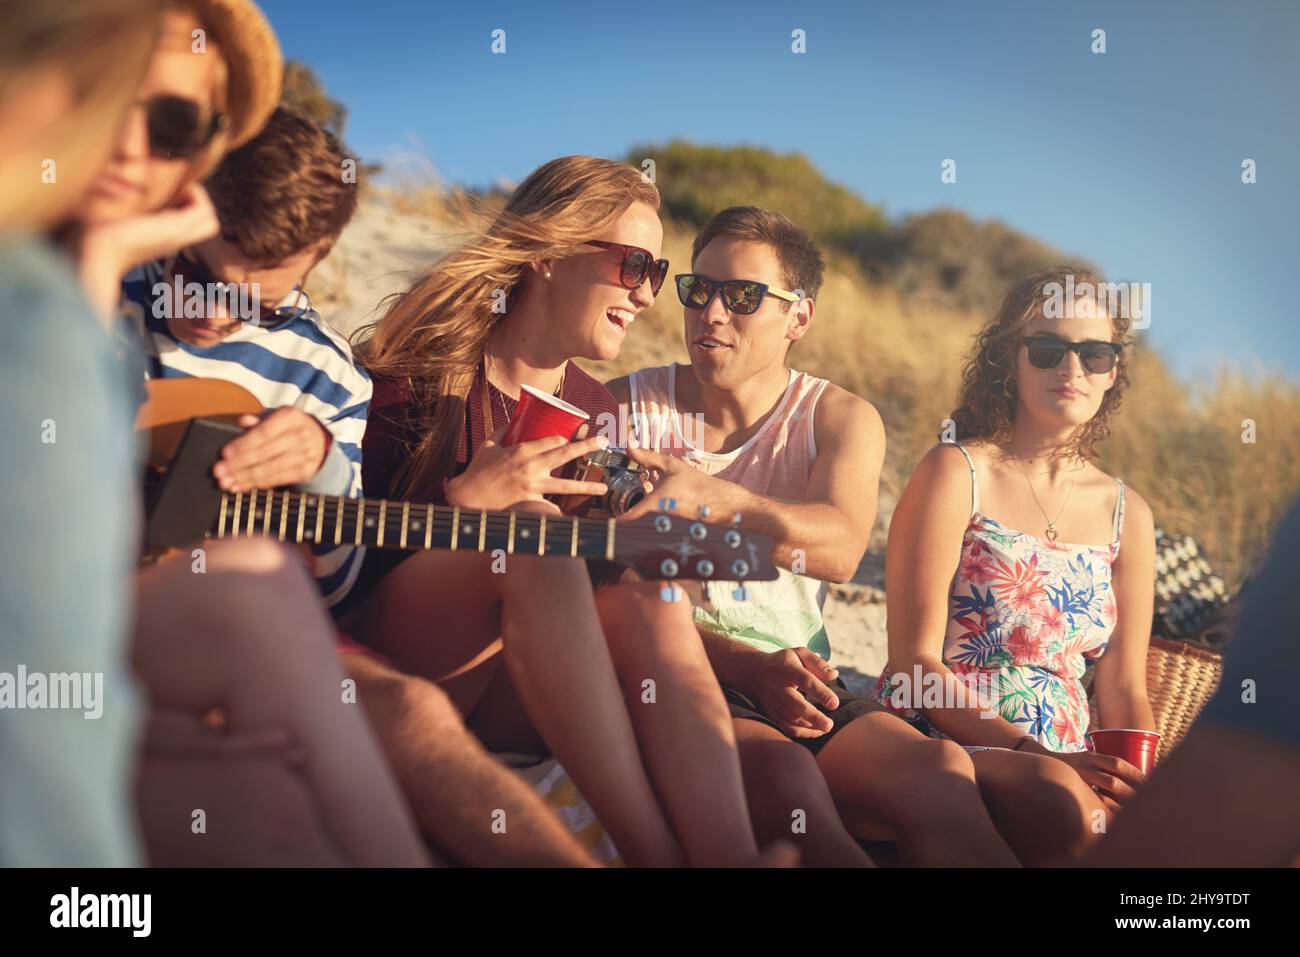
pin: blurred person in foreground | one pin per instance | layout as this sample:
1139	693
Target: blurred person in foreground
1229	794
68	72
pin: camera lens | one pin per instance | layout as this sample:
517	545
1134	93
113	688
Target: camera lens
625	490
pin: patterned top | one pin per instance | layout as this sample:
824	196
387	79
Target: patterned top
1025	618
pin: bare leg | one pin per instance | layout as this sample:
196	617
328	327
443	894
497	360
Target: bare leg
781	780
457	790
682	723
250	636
257	812
1042	807
886	775
438	615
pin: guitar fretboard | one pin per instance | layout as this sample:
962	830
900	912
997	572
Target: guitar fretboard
293	516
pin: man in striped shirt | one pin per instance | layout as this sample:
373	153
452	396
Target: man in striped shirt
234	308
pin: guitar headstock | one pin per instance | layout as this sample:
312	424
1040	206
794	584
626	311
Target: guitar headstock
669	546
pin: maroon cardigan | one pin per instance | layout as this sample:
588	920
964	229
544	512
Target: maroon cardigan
390	437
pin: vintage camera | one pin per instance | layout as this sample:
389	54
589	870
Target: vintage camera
624	479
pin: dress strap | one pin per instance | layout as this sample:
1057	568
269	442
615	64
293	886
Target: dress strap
974	482
1118	521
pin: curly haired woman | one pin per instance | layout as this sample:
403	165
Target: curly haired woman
1006	573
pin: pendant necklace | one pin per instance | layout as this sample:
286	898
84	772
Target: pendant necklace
1050	532
559	390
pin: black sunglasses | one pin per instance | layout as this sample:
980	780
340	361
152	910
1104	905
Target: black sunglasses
636	266
178	128
1096	357
191	269
741	296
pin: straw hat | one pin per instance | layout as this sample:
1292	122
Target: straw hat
254	61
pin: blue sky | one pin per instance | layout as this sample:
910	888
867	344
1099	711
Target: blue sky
1131	158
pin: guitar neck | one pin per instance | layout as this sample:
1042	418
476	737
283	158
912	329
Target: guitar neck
292	516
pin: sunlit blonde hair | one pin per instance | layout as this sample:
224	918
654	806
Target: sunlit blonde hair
433	335
101	49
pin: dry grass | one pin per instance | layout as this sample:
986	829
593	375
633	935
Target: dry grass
1182	451
1181	448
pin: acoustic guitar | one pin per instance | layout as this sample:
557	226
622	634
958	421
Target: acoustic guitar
189	420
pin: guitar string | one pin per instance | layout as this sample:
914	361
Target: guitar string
559	534
497	522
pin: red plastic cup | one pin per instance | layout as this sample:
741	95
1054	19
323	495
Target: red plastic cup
539	415
1138	748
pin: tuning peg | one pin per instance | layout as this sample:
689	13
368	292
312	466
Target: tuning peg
670	594
740	593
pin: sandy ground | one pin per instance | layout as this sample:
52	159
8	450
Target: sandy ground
383	249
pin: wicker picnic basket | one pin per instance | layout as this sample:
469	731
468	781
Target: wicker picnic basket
1180	680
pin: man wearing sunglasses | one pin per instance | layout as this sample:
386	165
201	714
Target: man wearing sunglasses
799	459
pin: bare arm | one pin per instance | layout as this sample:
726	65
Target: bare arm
1121	681
824	537
924	550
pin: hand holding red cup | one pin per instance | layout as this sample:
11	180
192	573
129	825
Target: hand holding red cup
1135	746
539	415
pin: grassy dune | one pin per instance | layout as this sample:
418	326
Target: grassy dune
1180	448
895	318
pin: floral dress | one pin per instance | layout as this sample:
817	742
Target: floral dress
1025	618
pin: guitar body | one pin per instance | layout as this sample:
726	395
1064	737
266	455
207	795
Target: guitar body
172	403
190	420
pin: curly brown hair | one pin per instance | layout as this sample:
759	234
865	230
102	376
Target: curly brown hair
986	404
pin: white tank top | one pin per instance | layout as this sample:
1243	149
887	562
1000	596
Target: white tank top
776	461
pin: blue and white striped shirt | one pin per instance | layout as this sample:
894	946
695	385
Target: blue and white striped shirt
302	363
